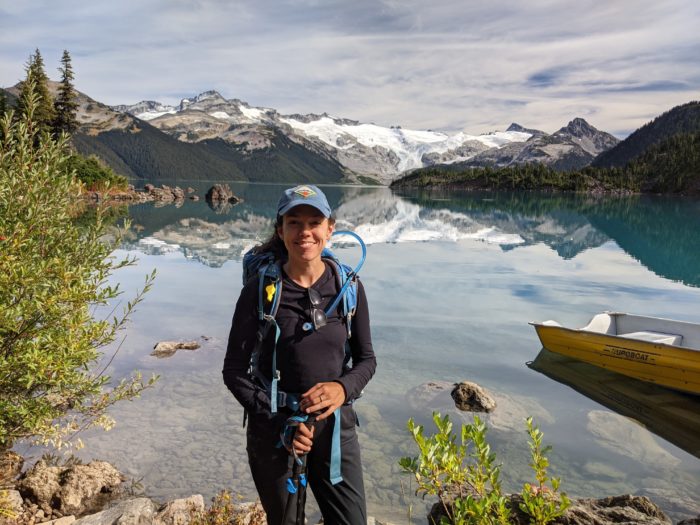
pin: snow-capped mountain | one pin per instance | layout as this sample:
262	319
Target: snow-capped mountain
368	150
404	149
572	147
363	149
146	109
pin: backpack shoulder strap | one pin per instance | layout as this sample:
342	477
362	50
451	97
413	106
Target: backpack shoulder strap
269	289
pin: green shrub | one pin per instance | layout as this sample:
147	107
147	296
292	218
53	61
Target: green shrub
54	271
541	502
465	477
223	511
93	174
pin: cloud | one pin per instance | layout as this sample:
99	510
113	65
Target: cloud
439	65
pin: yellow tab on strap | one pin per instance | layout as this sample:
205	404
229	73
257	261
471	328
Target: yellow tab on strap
270	289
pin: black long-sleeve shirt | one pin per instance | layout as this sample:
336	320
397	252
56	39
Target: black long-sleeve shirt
303	358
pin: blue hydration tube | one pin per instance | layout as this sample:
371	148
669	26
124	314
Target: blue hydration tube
334	304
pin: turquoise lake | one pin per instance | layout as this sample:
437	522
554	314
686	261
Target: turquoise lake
452	281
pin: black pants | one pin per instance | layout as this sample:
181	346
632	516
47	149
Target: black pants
340	504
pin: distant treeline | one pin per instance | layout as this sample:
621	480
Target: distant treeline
671	166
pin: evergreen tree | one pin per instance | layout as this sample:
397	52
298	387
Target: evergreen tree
37	83
66	104
3	103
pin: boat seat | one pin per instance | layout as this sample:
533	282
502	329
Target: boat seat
655	337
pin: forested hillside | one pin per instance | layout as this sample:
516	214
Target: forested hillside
681	119
672	166
143	152
663	157
9	99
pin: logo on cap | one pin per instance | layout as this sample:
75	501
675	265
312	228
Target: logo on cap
304	192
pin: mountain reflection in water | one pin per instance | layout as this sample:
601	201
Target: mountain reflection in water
659	232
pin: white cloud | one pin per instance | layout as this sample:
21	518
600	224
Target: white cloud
440	65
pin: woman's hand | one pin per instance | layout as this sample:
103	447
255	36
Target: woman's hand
303	439
324	398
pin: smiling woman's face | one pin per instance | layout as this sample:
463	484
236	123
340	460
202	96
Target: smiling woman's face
305	232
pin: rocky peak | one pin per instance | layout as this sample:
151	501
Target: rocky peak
205	98
142	107
534	132
516	127
590	139
578	128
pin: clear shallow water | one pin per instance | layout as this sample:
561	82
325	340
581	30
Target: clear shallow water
452	282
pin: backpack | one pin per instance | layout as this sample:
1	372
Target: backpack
269	275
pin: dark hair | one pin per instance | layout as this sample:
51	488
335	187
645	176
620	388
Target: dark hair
275	244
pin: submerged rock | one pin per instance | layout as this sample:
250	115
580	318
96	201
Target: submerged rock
168	348
623	436
470	397
430	396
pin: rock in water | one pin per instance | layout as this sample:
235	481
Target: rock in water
221	192
168	348
470	397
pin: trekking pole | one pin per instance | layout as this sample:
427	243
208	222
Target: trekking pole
301	494
296	483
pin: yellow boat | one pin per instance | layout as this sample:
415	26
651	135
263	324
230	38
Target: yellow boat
652	349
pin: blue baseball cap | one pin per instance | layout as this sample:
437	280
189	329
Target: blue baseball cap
306	194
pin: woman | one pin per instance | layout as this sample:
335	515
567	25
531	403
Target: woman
311	359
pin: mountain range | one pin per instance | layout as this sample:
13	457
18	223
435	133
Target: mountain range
210	137
367	151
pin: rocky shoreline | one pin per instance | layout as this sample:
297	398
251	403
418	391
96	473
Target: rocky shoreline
219	195
96	493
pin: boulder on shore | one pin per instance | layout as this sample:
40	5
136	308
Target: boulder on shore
10	468
136	511
70	490
625	509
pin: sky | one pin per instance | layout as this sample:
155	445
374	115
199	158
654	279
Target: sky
461	65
